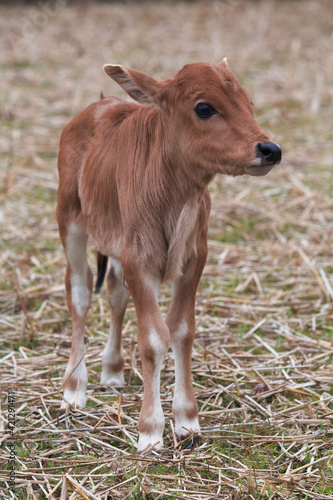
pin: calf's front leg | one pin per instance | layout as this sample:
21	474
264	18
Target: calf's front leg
153	343
181	323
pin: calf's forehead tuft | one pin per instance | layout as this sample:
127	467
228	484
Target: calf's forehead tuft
201	76
208	81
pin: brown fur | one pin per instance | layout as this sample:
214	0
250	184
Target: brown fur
135	178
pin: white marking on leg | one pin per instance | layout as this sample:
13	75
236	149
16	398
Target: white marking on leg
76	246
181	403
113	379
154	441
156	418
181	332
111	356
117	267
184	426
158	345
76	396
108	377
80	294
113	353
159	348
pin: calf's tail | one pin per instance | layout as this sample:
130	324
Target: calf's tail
102	265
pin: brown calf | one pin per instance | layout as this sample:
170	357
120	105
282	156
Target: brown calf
135	178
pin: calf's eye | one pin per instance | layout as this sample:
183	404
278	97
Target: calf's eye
204	110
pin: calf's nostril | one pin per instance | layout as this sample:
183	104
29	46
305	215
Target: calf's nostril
264	150
270	151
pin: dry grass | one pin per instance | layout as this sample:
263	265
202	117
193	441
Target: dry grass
262	361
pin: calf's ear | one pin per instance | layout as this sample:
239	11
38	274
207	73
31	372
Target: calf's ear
139	86
224	63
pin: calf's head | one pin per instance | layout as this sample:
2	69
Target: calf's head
209	116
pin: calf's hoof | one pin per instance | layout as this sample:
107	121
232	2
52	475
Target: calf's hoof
149	443
69	415
191	443
113	380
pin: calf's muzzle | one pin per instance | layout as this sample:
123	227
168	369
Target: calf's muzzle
269	151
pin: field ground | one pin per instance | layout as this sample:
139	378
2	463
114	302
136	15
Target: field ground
262	360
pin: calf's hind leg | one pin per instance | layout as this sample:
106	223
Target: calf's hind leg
79	283
112	356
